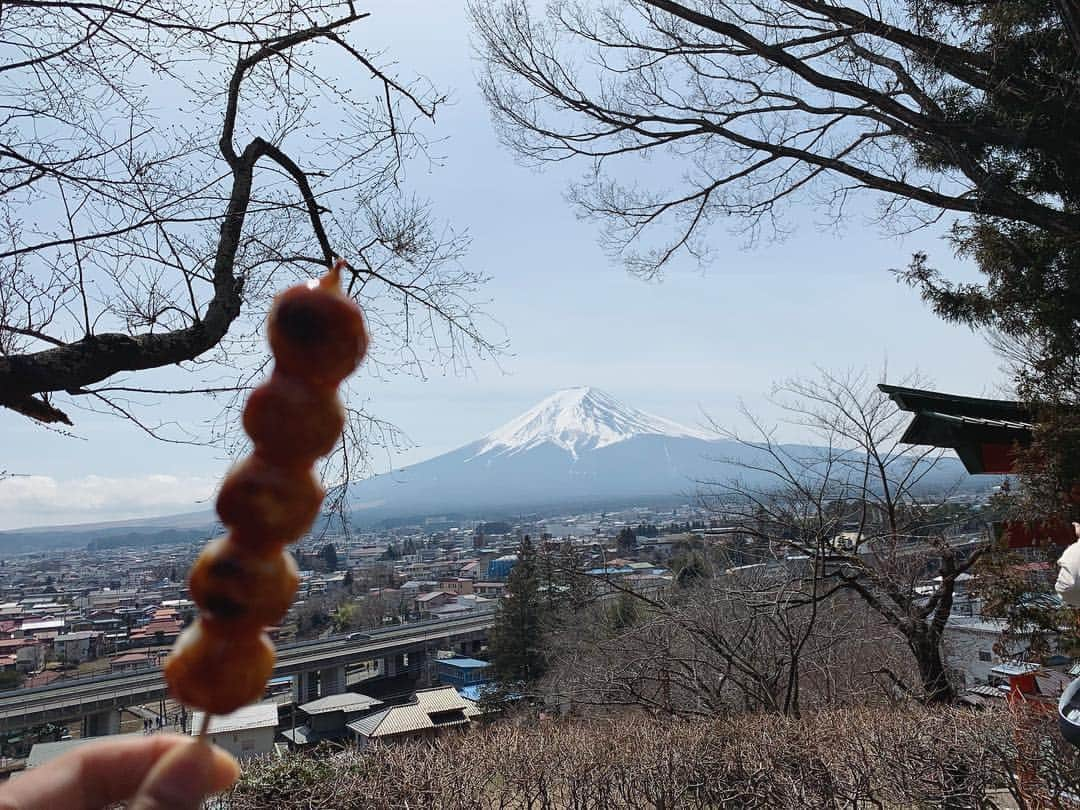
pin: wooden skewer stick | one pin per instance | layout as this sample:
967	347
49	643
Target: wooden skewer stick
204	726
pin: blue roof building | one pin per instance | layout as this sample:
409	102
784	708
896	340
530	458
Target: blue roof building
462	672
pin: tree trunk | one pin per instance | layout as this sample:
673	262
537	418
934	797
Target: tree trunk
926	647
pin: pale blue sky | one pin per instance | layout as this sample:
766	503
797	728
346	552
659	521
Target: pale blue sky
696	341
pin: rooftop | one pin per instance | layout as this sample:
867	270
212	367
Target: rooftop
80	635
1008	669
258	715
345	702
433	708
43	752
972	426
464	663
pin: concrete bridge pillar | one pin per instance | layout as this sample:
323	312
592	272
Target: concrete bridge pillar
419	667
101	723
305	687
393	665
332	681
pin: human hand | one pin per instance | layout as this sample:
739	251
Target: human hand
160	772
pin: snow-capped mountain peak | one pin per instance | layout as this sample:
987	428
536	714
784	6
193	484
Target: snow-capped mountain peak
577	419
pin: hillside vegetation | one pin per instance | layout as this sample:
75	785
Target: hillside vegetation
943	758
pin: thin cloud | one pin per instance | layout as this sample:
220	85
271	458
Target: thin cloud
42	500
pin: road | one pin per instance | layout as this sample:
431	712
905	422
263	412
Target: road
71	700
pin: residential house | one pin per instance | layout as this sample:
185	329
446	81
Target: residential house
425	603
103	620
971	648
36	626
163	628
29	653
431	713
328	717
111	599
414	586
459	606
11	611
245	733
74	648
128	662
456	585
494	590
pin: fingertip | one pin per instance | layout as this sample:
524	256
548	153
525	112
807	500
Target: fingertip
225	770
185	775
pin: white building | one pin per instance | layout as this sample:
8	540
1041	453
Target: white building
970	645
247	732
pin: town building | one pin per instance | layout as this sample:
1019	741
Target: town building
431	713
327	718
461	672
456	585
245	733
75	648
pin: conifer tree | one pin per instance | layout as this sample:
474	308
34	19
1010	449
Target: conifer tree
516	639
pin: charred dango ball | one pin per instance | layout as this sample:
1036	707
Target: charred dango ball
291	422
269	503
243	588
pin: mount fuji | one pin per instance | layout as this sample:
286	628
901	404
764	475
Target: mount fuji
579	420
579	445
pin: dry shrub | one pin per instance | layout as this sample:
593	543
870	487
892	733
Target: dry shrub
941	758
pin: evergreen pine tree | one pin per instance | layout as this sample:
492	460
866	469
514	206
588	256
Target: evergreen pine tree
516	638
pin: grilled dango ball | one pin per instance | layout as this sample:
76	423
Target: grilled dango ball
245	581
241	588
316	332
292	423
218	670
267	503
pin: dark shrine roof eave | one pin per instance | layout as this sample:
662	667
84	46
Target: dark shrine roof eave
919	400
980	431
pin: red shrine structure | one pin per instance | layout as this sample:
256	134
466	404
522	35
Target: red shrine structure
987	435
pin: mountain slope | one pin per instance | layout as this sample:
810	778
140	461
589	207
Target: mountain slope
579	445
